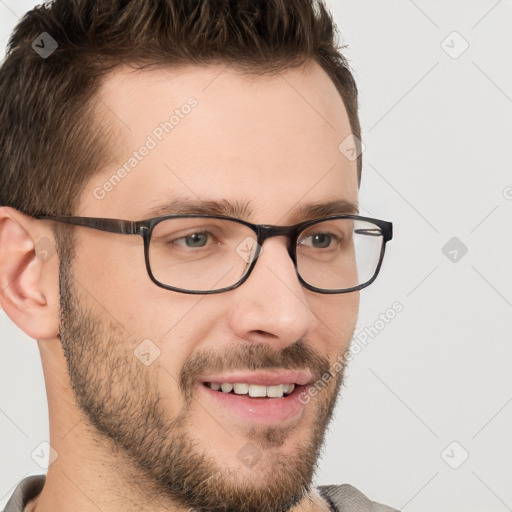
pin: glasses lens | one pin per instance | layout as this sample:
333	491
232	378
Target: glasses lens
201	253
339	254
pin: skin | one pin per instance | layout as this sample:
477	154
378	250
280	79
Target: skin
268	141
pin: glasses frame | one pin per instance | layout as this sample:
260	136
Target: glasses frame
144	228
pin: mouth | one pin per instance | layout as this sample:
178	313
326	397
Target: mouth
257	397
252	390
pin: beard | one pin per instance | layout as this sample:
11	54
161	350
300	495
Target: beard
119	397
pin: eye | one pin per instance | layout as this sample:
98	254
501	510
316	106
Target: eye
318	240
194	240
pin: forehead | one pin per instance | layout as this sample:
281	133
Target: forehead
214	134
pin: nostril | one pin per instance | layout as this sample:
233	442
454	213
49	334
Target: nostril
264	334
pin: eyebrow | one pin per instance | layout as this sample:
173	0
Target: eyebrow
243	210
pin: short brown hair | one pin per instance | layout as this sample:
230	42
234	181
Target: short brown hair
51	143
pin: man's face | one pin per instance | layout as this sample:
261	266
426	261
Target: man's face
140	357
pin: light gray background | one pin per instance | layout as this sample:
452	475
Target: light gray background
434	384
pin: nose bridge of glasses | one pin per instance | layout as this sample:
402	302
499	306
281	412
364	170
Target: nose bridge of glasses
290	232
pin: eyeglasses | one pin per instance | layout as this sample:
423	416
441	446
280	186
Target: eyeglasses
204	254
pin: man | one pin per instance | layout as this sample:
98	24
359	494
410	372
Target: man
181	159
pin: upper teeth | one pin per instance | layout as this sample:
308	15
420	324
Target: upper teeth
254	390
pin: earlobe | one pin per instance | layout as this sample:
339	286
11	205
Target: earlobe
28	274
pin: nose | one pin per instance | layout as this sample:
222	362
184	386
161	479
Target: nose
272	306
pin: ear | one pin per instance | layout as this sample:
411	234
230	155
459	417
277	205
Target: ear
29	272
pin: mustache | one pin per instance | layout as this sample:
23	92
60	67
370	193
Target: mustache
252	356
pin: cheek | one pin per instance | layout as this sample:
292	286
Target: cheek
159	328
337	315
114	275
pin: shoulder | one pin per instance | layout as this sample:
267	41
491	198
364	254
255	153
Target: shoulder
345	498
25	491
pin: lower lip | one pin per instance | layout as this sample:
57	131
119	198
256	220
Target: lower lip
258	410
